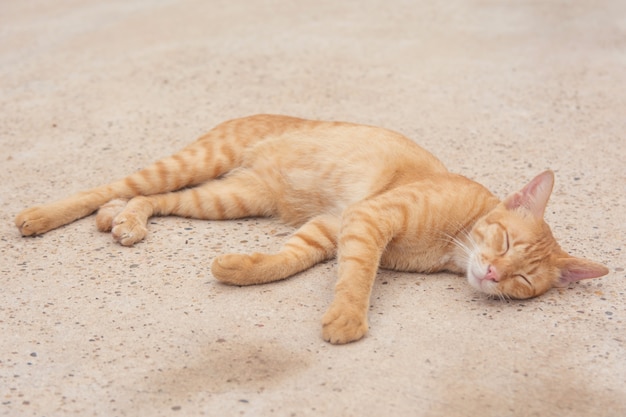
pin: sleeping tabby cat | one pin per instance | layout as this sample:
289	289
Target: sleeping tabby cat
366	195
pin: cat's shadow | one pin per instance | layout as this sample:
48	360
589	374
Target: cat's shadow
227	365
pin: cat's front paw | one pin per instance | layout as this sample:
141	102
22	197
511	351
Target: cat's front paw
343	323
236	269
108	212
34	221
128	230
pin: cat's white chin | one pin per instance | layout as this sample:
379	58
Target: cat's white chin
476	273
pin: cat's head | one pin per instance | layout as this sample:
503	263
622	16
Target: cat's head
513	253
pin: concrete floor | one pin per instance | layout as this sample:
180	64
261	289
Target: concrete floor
91	91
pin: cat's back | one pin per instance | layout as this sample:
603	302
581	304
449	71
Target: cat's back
317	144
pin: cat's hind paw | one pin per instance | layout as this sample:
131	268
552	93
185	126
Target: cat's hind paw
108	212
35	221
343	323
128	230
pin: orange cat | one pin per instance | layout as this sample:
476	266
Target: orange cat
366	195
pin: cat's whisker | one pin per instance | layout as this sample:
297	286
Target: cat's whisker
450	238
505	298
465	250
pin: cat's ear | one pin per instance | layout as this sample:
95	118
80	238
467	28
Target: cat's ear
574	269
534	196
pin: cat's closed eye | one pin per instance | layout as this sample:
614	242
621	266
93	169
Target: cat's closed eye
507	244
500	239
525	280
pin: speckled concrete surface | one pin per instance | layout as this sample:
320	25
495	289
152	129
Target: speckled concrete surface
91	91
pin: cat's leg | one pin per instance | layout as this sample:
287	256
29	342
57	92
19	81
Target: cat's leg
314	242
211	156
363	236
180	170
242	194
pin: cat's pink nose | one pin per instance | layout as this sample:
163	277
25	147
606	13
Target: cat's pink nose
492	274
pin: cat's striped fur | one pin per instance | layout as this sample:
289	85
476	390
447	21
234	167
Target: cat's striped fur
366	195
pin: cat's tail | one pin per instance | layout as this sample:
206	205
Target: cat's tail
211	156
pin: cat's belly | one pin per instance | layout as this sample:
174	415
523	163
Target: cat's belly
301	194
